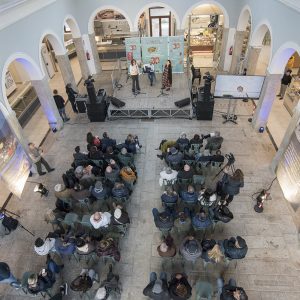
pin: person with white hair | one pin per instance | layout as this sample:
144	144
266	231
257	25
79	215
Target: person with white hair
183	142
169	175
187	173
213	141
100	219
125	158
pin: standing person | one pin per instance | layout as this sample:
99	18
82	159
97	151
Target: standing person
285	82
5	275
36	156
60	103
149	68
134	73
71	96
167	76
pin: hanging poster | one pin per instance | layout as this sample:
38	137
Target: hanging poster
176	53
14	165
155	49
133	49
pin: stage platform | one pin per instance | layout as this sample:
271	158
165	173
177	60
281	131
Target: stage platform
147	104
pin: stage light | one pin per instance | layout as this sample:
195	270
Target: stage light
260	199
40	188
261	129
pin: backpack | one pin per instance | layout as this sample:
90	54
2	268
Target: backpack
69	179
81	283
62	205
223	214
10	224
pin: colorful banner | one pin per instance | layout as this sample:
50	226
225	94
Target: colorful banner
133	49
14	165
176	53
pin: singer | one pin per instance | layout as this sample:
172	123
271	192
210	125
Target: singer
167	76
134	73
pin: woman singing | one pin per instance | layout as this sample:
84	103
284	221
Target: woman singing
134	73
167	76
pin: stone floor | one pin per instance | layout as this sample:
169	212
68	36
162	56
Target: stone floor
271	269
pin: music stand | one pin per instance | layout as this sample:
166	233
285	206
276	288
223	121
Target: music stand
230	116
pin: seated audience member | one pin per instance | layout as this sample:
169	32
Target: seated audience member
5	274
42	247
190	249
183	142
213	141
207	198
221	213
79	192
79	157
235	248
163	220
212	251
179	287
128	175
110	154
84	281
167	248
196	140
169	175
61	192
109	287
157	289
120	191
190	196
125	158
201	221
231	184
92	141
205	157
132	143
84	246
187	173
95	154
174	157
40	283
112	174
183	222
107	247
79	172
120	216
99	191
169	196
88	178
65	246
164	147
107	142
231	291
100	219
218	157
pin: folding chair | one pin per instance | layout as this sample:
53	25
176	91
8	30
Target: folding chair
70	219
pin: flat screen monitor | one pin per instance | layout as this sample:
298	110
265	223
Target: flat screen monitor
239	87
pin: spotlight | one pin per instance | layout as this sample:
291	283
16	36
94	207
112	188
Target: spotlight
259	206
261	129
54	130
40	188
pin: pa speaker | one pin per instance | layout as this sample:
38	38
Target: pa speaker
183	102
205	110
116	102
97	112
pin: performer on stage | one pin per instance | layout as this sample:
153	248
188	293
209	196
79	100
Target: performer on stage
167	76
134	73
149	68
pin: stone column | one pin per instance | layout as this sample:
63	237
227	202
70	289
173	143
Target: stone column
287	137
81	54
253	55
223	48
66	70
237	51
95	53
45	96
267	97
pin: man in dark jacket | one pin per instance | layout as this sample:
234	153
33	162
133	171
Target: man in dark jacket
235	248
179	287
174	157
230	291
107	142
157	288
164	220
120	191
201	221
187	173
218	157
189	196
60	103
71	96
5	275
169	196
285	82
214	141
183	142
99	191
79	157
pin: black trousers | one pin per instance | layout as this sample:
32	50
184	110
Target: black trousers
135	83
73	106
39	164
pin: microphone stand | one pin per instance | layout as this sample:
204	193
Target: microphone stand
162	93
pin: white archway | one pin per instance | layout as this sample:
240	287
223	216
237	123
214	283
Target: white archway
282	56
259	33
244	18
189	11
72	23
96	11
153	4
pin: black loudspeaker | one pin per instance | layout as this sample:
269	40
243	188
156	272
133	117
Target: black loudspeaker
205	109
116	102
183	102
92	93
97	111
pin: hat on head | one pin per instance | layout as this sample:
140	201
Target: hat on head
157	288
168	170
163	247
124	151
186	168
58	187
98	186
101	293
117	213
241	242
173	150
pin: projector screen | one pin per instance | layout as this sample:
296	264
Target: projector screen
239	86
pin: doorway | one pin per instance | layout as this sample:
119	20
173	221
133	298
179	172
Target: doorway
160	21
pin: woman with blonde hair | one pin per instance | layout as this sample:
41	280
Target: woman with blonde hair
212	252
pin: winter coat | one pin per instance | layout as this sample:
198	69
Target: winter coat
230	186
231	251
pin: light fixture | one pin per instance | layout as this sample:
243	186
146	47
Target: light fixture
261	129
40	188
260	199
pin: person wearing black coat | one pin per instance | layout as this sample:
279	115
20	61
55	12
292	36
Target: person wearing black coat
106	142
179	287
71	96
231	184
157	289
163	220
235	248
5	275
60	103
231	291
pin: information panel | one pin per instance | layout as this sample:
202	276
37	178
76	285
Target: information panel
133	49
176	53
